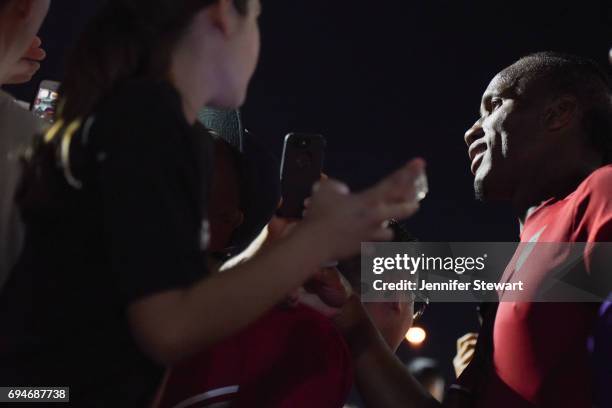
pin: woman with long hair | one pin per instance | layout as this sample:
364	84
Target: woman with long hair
112	283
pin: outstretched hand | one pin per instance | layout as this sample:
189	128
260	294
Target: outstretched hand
343	220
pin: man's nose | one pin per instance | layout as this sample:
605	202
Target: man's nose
474	133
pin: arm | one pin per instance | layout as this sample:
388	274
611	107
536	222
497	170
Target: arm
381	378
176	323
153	236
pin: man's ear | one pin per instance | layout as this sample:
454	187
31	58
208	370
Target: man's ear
560	113
222	16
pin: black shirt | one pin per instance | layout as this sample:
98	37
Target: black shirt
137	227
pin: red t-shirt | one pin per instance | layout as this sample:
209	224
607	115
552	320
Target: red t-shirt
540	356
291	357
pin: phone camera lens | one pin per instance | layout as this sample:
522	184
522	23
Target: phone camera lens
304	143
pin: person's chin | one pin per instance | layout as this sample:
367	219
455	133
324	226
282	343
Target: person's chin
480	187
229	101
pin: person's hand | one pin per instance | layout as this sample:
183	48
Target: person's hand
326	292
339	221
24	69
279	227
466	345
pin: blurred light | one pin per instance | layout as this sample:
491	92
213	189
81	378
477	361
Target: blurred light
416	336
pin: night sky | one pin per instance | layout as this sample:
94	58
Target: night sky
385	81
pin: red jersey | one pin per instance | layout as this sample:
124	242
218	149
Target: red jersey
540	356
291	357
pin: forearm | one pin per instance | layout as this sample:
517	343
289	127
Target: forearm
190	320
382	379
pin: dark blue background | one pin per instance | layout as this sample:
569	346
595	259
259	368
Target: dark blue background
385	81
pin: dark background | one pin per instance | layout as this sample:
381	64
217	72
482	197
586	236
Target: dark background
385	81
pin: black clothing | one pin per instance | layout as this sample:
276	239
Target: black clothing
137	227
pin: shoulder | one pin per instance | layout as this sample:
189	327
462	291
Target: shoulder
141	107
141	116
593	206
17	125
600	181
140	95
596	190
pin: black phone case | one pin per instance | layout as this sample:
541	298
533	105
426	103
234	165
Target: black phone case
300	168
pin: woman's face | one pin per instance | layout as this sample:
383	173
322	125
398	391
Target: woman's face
230	40
19	22
247	51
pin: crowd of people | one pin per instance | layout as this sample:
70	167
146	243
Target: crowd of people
142	265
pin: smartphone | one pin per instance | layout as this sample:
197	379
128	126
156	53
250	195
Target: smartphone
301	168
45	104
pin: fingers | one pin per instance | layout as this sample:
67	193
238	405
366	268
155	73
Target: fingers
22	72
326	191
308	200
466	345
314	302
402	184
279	227
293	299
468	337
459	366
330	186
330	286
396	211
36	42
324	277
383	234
35	52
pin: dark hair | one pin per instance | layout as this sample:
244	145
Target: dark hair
579	77
126	39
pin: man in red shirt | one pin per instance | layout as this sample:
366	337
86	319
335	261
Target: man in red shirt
544	143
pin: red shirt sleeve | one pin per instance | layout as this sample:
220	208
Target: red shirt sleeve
593	222
593	215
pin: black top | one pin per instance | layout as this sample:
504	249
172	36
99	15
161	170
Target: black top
137	227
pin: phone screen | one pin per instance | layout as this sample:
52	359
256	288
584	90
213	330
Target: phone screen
45	104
